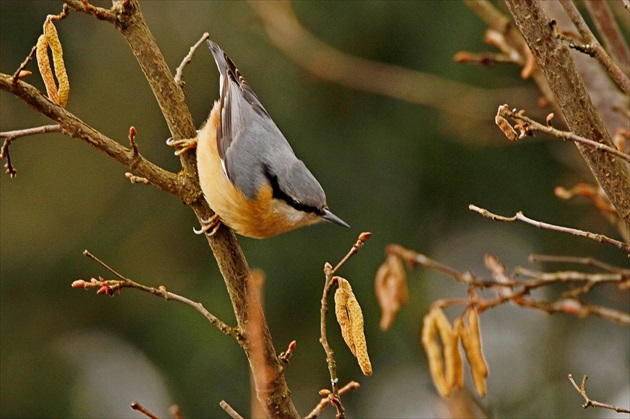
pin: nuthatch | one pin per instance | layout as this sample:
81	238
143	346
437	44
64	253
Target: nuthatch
248	172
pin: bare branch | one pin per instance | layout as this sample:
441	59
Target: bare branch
511	289
528	125
44	129
597	51
76	128
9	136
520	217
592	403
229	410
363	237
137	406
607	26
325	401
556	63
22	66
111	286
579	260
288	34
179	73
330	359
108	15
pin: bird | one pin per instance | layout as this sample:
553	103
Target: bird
248	172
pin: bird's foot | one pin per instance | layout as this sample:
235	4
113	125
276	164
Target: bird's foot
209	226
183	145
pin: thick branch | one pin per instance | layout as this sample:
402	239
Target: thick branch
128	19
76	128
271	387
557	65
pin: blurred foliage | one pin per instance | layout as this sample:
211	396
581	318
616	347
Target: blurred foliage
396	169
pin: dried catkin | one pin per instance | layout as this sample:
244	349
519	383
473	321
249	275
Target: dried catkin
434	352
471	341
350	319
390	286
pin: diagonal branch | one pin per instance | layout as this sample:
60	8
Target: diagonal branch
288	34
556	63
595	48
109	287
76	128
521	217
588	402
128	19
612	35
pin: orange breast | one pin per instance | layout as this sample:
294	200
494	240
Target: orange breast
260	218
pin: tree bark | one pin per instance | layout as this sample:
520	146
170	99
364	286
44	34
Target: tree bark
556	63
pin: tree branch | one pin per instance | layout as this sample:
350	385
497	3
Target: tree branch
611	33
128	19
76	128
595	48
527	125
582	118
588	402
324	61
521	217
109	287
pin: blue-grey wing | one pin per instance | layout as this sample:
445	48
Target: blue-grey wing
252	149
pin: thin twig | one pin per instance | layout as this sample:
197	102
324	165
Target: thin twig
528	125
9	136
599	53
579	260
510	289
100	13
519	216
137	406
329	282
179	73
592	403
177	184
330	360
612	35
22	66
325	401
137	179
288	34
44	129
109	287
363	237
229	410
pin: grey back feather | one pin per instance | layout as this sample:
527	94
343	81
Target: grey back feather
253	150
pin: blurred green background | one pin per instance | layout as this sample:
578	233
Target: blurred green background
403	171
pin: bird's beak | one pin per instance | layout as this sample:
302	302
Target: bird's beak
329	216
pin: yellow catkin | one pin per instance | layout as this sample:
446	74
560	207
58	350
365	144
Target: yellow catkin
434	354
458	363
341	312
355	320
60	69
450	351
471	340
44	68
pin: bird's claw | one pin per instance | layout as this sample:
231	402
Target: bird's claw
182	145
209	226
